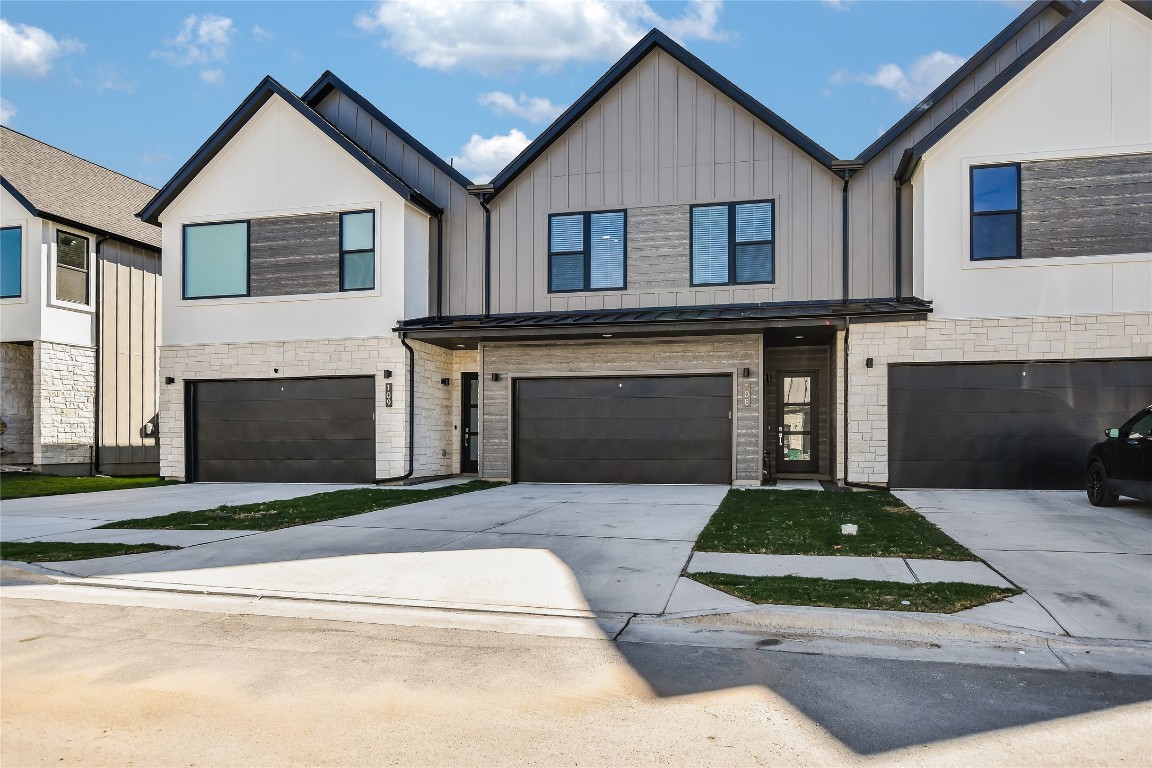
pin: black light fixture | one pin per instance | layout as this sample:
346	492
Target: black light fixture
869	362
446	382
386	374
169	380
746	373
495	377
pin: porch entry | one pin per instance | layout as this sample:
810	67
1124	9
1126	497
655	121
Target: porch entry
796	435
797	411
469	423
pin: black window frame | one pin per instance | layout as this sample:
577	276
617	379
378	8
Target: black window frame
732	243
20	272
247	260
371	250
87	269
973	213
586	252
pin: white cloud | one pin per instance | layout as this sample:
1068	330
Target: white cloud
111	77
493	36
213	76
259	34
28	50
536	109
838	5
7	112
202	40
483	158
926	73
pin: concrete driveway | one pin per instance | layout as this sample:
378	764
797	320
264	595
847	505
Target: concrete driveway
562	549
1089	568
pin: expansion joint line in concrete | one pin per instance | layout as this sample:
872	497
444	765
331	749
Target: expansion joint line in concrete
908	565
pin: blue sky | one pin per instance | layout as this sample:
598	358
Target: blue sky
138	86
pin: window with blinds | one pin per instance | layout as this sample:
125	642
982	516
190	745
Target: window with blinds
733	243
71	267
586	251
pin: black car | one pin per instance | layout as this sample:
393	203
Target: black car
1122	464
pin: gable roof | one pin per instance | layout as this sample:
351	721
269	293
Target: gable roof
912	156
329	82
942	91
652	41
60	186
268	88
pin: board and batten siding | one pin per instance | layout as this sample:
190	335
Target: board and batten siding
463	279
293	255
872	191
660	140
1087	206
127	334
711	354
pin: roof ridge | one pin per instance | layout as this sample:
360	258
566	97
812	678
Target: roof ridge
74	155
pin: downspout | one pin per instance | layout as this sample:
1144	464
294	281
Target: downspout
411	416
440	264
897	239
483	193
844	234
96	315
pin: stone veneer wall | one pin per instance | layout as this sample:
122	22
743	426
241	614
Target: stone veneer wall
294	359
1082	337
16	362
433	410
63	404
640	356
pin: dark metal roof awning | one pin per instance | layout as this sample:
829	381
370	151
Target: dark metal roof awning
467	330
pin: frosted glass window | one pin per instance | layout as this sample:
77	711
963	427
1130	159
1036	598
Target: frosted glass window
11	261
215	260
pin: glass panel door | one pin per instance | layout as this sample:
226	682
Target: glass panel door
469	422
796	430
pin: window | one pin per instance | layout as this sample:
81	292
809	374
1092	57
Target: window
358	251
733	243
586	251
995	191
11	252
71	267
215	260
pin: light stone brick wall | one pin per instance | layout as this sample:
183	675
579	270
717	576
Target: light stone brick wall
63	404
839	399
433	410
294	359
463	361
1004	339
16	361
639	356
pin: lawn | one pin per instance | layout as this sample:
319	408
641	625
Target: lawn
272	515
21	485
56	551
773	522
932	597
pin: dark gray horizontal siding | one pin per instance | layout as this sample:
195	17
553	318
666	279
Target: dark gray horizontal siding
295	254
1091	206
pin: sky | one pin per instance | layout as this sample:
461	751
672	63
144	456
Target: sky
138	86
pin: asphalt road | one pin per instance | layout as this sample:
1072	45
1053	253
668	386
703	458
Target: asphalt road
105	685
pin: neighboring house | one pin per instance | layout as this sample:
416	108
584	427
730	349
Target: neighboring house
80	278
671	284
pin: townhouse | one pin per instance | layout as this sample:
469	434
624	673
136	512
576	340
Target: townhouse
672	284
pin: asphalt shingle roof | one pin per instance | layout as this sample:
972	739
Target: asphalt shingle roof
64	186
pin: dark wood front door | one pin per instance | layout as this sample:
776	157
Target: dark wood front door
796	430
469	422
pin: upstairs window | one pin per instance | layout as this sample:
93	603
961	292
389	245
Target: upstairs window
71	267
215	260
733	243
586	251
11	261
358	251
995	192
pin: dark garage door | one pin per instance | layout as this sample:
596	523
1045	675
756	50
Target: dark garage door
1006	425
284	430
651	429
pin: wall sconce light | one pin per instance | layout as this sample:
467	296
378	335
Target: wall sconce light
446	382
869	363
386	374
169	380
495	377
746	373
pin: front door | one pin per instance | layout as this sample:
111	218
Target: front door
796	429
469	422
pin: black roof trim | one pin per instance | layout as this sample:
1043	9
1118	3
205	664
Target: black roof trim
960	75
267	88
651	41
993	87
649	315
1140	6
19	197
329	82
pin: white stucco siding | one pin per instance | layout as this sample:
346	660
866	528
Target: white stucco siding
1089	95
20	315
280	164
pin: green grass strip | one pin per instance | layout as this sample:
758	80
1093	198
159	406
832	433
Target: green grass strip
22	485
285	513
932	597
770	522
56	551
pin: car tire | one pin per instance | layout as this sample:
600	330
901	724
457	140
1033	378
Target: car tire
1098	493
